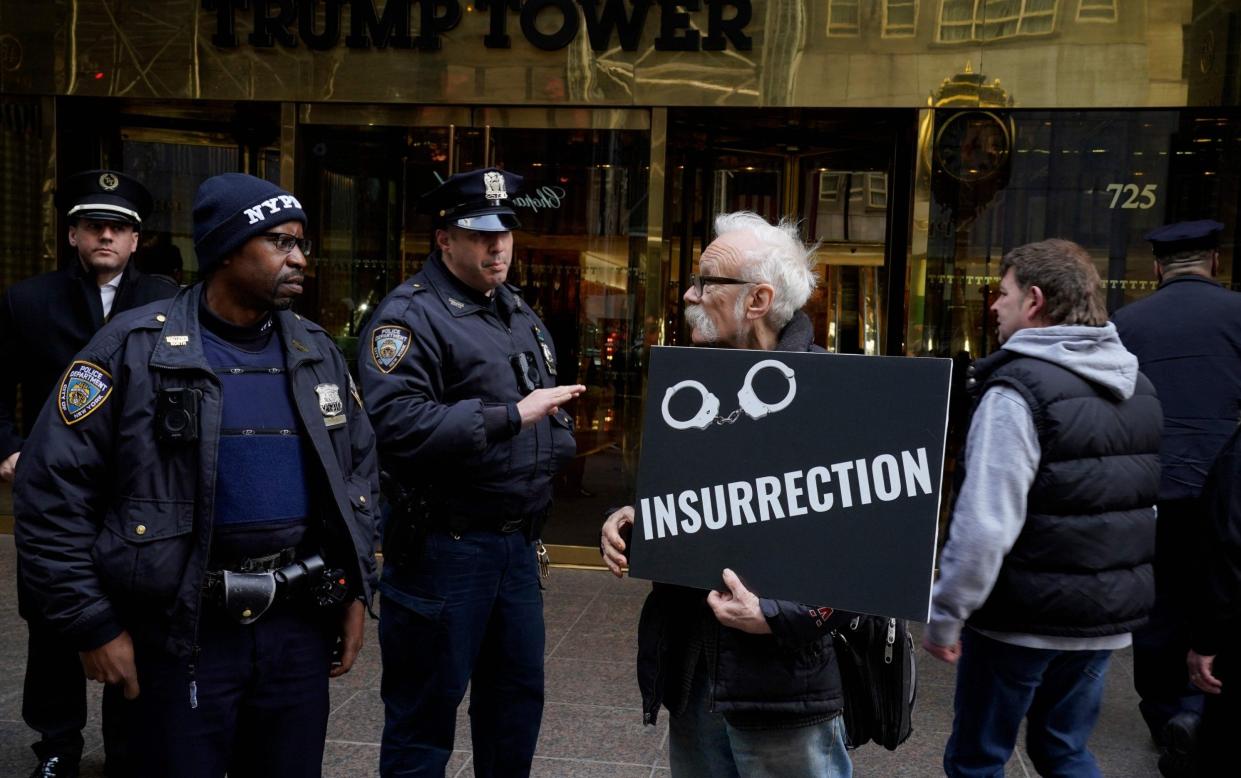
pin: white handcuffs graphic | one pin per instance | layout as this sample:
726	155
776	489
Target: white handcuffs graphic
750	404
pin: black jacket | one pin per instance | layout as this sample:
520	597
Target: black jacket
44	321
437	375
790	675
114	526
1187	338
1215	615
1081	566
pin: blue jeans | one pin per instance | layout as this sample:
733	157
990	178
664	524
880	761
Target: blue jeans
703	744
999	684
468	611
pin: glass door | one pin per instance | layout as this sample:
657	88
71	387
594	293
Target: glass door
172	164
832	171
577	257
846	213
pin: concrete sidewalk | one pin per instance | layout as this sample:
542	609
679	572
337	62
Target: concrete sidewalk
592	725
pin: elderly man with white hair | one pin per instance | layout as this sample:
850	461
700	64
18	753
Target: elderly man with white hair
751	684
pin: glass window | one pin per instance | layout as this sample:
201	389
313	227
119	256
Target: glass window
26	152
900	18
1096	11
987	20
578	259
842	18
172	165
360	188
1100	178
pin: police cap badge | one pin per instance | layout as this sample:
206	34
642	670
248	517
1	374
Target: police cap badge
105	195
475	200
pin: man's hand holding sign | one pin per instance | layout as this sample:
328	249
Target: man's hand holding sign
739	608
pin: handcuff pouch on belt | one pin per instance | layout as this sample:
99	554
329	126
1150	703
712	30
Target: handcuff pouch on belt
246	596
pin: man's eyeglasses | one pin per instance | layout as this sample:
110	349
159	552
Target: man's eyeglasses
698	282
286	242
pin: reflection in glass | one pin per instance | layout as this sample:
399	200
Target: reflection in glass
1100	178
173	171
578	259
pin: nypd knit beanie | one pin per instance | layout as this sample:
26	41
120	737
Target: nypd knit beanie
231	208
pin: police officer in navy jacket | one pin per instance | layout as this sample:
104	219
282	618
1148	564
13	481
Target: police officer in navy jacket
459	378
44	321
1187	338
194	510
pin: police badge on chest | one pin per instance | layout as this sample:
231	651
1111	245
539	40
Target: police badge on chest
330	405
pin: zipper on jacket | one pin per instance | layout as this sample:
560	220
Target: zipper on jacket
193	668
890	642
195	650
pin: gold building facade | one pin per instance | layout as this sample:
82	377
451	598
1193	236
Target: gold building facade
916	140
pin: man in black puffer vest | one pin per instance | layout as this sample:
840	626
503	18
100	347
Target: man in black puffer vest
750	684
1047	568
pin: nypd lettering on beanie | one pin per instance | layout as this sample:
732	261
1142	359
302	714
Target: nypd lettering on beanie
280	202
231	208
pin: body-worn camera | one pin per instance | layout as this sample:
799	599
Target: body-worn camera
176	415
527	371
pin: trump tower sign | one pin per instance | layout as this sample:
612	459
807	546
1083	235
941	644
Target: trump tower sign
815	477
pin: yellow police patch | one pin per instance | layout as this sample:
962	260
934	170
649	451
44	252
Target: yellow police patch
84	389
388	345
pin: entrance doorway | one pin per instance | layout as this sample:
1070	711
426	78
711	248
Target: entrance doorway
846	176
578	255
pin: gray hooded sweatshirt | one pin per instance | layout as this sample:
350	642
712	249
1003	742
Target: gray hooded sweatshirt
1001	459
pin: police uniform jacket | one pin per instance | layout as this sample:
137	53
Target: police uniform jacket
1187	338
438	382
114	525
1215	609
44	321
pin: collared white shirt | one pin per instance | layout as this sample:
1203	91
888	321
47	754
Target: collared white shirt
107	293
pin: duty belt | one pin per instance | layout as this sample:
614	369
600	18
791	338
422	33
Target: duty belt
530	524
257	564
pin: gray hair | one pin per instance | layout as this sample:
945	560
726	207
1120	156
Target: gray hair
780	259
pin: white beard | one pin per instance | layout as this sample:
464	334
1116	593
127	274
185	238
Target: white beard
700	323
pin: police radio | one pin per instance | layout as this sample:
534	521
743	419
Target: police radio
176	415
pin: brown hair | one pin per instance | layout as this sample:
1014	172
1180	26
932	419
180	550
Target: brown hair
1067	277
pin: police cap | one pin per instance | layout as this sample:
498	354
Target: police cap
476	200
1185	236
105	195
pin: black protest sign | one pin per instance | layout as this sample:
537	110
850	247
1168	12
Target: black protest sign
816	477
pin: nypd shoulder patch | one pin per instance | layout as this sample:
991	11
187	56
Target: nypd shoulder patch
388	346
84	389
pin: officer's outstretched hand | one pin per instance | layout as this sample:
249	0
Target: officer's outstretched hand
352	624
738	607
614	539
113	663
545	402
